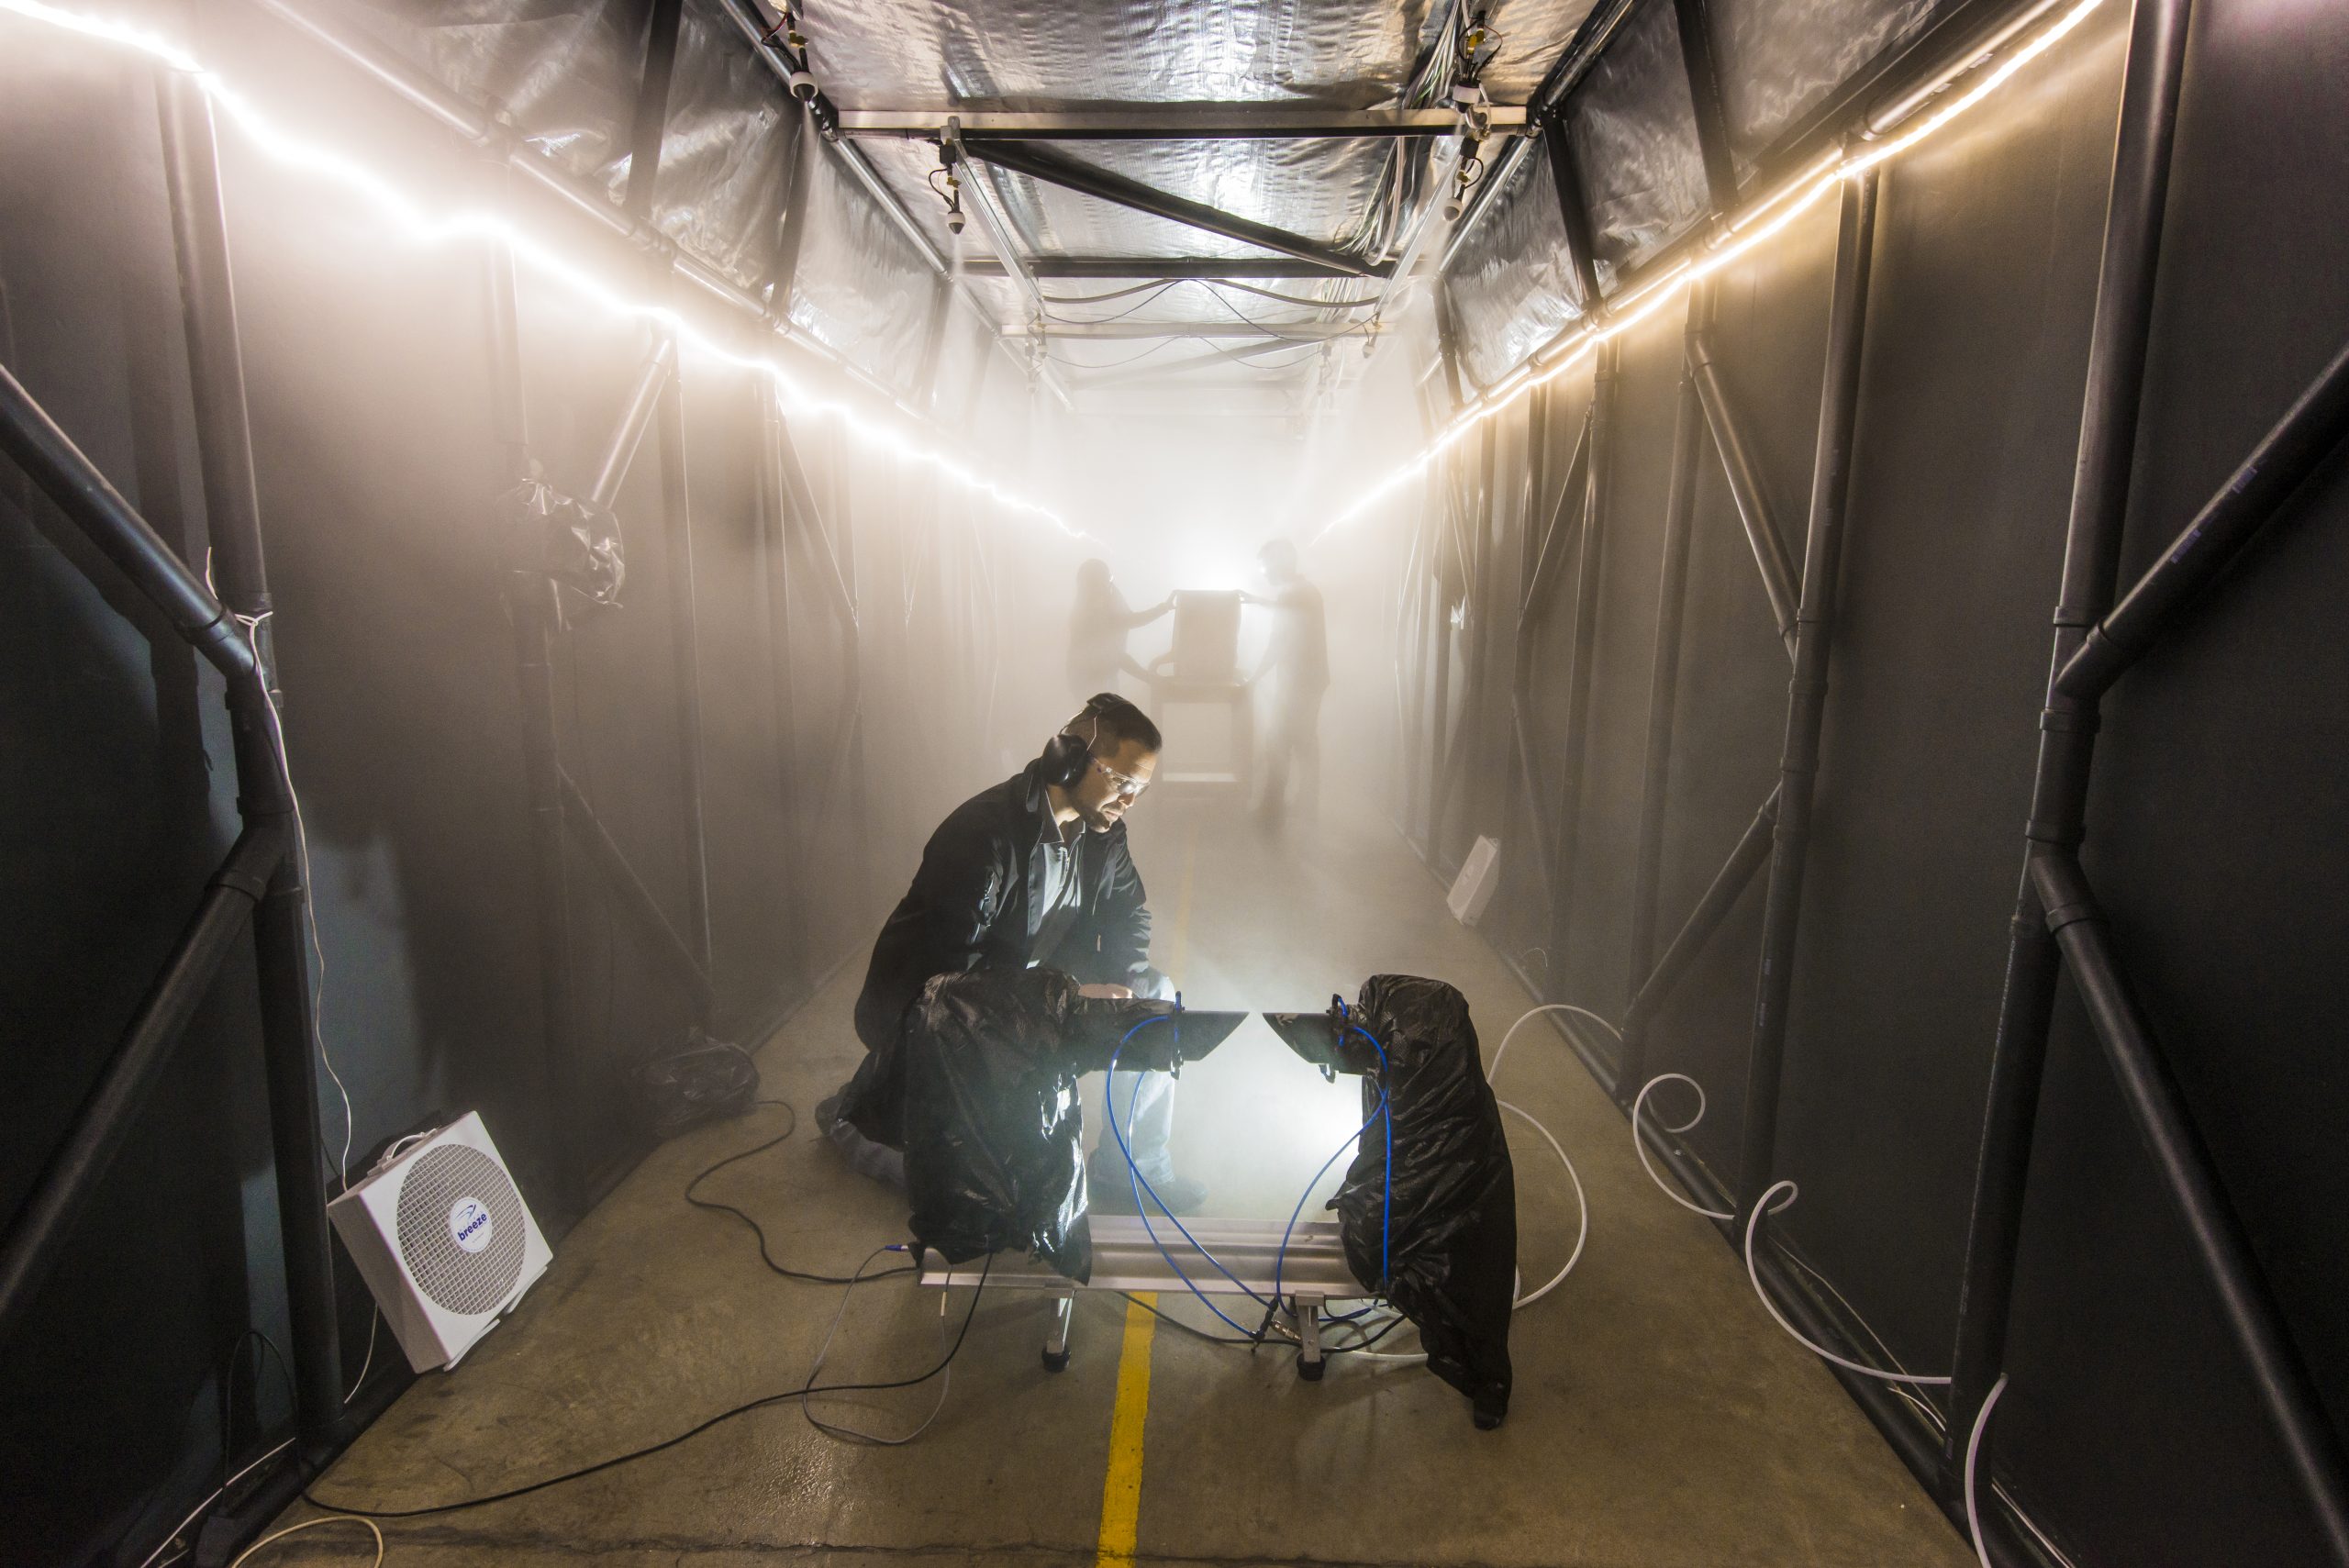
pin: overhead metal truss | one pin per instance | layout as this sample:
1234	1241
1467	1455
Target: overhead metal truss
1169	122
1211	268
1059	168
1298	332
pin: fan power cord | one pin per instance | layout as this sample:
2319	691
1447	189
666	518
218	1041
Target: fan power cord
808	1390
766	1254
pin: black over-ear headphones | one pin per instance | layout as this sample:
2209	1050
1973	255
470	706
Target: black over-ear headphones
1068	754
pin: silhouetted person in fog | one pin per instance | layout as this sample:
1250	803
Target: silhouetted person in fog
1097	629
1033	871
1289	684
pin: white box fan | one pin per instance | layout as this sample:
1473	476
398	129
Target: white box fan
444	1241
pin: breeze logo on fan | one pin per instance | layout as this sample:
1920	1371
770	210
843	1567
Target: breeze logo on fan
469	1224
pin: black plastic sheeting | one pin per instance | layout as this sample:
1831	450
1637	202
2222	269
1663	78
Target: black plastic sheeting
567	75
1633	129
1513	286
1443	1245
992	1125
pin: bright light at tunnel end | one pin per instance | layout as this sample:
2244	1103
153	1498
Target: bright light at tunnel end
1737	236
413	219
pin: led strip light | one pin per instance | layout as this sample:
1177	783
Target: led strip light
419	222
1764	221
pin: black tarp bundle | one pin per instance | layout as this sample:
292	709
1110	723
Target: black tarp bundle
993	1128
1450	1241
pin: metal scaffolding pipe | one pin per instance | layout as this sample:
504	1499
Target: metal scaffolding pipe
1575	762
2191	1177
1745	487
675	952
49	457
1056	169
636	417
2292	449
1830	482
685	643
42	1225
1720	897
531	606
2117	347
281	924
1664	690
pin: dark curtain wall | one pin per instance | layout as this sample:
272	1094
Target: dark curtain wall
110	822
370	388
2131	1429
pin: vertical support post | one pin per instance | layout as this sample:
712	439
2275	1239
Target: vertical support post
933	338
774	526
232	514
1447	344
1574	208
1830	480
1705	96
2117	347
531	606
652	118
1439	698
1599	488
684	642
1664	694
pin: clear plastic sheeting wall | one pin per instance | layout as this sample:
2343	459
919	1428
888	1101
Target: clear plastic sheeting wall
861	286
1513	286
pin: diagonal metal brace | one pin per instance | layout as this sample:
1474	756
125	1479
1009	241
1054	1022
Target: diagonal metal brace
1745	487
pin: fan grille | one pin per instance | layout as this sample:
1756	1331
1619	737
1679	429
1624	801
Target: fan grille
454	1279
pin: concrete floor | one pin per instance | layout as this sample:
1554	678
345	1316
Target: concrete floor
1659	1417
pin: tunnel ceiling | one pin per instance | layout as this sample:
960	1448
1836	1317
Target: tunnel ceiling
1298	152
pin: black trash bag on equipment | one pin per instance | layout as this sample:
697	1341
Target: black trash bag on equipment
1451	1241
993	1128
705	1080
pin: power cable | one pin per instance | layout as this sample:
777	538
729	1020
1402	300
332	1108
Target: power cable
805	1391
369	1525
767	1255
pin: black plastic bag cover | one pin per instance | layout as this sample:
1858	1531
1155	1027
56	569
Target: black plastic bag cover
703	1082
994	1131
1453	1242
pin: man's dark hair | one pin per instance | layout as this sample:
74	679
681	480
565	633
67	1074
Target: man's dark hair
1107	720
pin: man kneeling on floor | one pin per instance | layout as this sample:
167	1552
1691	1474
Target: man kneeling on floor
1034	870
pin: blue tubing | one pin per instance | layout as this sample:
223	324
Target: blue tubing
1142	1185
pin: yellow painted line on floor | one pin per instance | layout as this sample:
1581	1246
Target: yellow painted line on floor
1121	1488
1121	1492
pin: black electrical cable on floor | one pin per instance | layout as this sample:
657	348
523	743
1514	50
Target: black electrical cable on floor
765	1255
1211	1337
808	1390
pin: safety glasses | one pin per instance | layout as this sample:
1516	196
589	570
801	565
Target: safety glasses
1128	786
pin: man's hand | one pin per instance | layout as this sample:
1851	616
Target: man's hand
1107	992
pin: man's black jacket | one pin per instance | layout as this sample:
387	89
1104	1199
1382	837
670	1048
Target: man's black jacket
975	905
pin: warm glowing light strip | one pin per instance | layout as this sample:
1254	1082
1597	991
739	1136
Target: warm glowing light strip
419	223
1759	223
